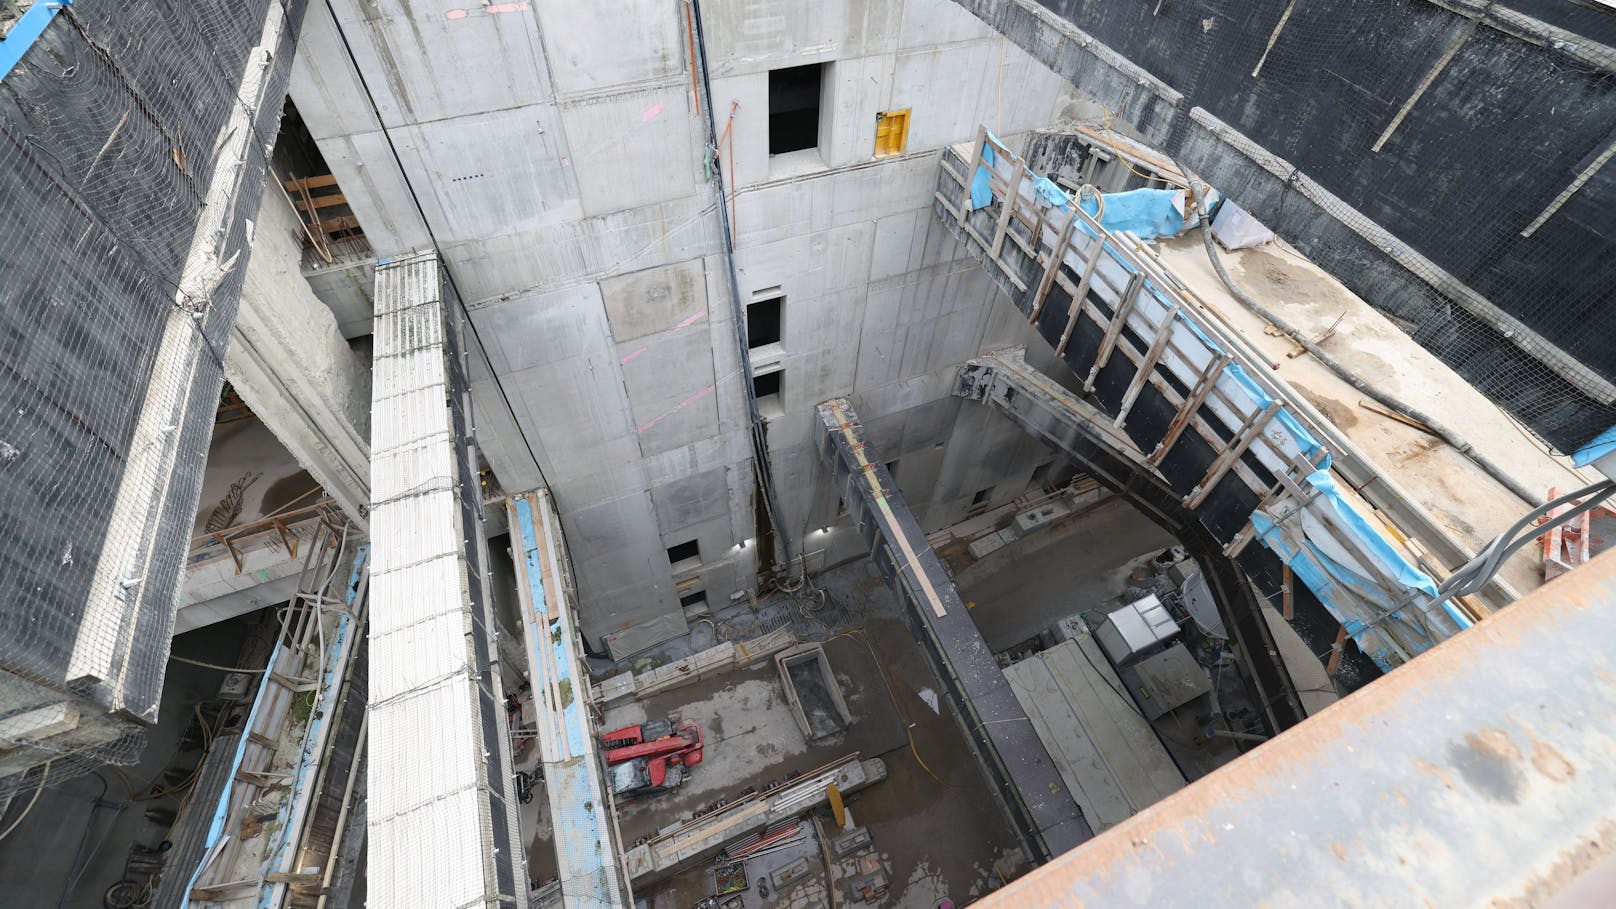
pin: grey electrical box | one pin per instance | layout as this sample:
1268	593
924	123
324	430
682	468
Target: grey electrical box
1163	681
1135	629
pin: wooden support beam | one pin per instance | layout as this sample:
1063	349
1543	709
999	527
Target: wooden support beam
332	225
1336	651
1164	333
1248	433
319	182
1113	330
320	202
1012	194
1057	256
1181	420
963	209
1273	38
234	553
1430	77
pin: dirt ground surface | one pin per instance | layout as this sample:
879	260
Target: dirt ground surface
935	825
1472	505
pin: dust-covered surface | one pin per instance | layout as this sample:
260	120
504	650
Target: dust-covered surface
935	826
1472	505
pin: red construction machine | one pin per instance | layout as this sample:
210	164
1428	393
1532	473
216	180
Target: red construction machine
651	757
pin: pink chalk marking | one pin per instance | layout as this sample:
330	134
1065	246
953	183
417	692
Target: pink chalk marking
632	355
695	397
678	407
495	8
455	14
651	112
690	321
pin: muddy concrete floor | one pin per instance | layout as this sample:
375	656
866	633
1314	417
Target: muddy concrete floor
933	820
1079	564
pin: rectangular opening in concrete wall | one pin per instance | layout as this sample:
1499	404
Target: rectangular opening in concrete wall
794	96
694	604
681	553
763	320
979	502
766	388
1040	475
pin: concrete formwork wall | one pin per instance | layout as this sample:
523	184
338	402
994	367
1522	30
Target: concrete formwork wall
1433	221
555	156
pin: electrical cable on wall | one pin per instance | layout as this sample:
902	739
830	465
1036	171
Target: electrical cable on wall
760	448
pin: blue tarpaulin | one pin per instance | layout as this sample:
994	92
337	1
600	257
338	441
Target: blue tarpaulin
1602	445
1149	213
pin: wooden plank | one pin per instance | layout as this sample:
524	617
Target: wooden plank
1164	333
1113	331
1336	651
1248	433
297	183
1056	257
1141	766
332	225
1186	412
1079	292
321	201
1012	195
1070	746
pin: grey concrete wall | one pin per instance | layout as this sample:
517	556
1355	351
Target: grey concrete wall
293	367
557	156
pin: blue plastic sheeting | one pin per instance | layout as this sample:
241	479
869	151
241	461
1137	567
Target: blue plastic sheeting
1310	447
25	32
1149	213
324	711
577	805
1337	585
1049	192
1602	445
981	188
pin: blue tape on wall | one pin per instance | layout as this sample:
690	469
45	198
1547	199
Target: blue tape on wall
27	30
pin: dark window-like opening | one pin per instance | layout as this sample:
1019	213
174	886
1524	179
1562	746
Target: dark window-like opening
765	385
763	322
1040	474
695	599
981	497
794	108
682	551
892	468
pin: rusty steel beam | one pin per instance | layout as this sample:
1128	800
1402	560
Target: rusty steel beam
1482	773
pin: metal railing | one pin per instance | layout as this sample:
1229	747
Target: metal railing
1198	396
283	530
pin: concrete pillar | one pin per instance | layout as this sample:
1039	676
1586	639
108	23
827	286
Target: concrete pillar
292	366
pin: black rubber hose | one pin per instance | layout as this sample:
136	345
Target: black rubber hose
1447	435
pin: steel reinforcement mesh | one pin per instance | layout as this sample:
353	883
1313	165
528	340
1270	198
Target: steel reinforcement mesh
118	128
1474	132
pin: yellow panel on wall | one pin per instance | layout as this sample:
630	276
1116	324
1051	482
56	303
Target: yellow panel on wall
891	132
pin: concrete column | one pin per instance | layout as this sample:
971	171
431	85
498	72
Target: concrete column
292	366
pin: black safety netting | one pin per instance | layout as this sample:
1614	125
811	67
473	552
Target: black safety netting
134	139
1476	134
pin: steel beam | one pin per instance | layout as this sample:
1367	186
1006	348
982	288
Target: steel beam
1025	779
